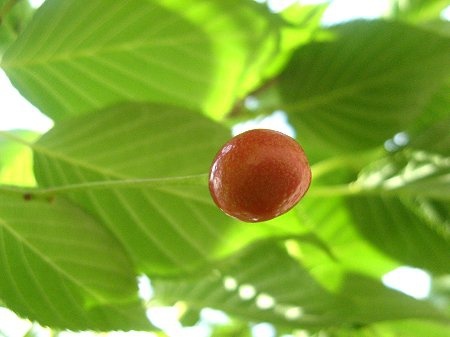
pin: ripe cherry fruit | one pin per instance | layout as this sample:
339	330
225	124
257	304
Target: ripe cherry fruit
259	175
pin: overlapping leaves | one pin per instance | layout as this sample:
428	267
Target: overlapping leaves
169	226
13	19
250	286
162	229
91	54
16	160
333	223
396	228
368	84
403	190
418	10
139	170
409	172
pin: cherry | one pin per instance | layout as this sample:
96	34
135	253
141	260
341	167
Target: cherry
259	175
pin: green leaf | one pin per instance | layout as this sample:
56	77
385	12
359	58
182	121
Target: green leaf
170	226
417	11
431	131
416	329
436	138
331	221
414	173
438	26
63	269
404	328
16	161
264	284
302	23
436	213
12	21
232	330
368	84
397	228
77	55
271	289
369	301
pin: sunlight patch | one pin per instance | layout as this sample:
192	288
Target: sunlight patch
12	325
230	283
277	121
410	281
36	3
264	330
213	316
145	288
346	10
165	318
291	313
264	301
247	291
445	14
17	112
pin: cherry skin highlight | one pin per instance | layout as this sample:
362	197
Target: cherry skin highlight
259	175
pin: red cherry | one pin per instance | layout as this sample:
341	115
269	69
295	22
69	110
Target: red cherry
259	175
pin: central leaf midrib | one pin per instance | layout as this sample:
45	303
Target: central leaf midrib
94	52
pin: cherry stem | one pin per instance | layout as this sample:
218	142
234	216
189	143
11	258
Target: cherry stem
355	161
192	180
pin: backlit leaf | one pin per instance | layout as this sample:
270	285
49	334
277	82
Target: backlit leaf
362	88
168	228
418	10
63	269
79	55
431	131
16	162
265	284
415	173
332	221
396	227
